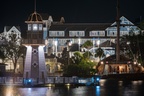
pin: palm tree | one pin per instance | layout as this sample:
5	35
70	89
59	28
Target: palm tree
87	54
87	44
76	59
99	53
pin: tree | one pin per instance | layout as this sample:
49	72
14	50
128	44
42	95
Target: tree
14	49
2	54
99	53
134	44
76	59
64	58
80	66
87	44
87	54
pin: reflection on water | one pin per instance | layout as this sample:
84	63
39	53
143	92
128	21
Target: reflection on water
106	88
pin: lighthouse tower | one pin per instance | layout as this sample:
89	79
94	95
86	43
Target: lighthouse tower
34	68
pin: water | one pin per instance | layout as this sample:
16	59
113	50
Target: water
106	88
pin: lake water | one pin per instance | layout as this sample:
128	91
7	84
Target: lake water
106	88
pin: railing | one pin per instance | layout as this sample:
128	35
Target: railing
48	80
33	41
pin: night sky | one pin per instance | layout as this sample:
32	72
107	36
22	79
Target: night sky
16	12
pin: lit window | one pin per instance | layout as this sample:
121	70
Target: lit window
29	26
40	26
35	27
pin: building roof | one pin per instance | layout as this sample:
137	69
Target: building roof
7	28
34	17
107	43
112	59
74	47
79	26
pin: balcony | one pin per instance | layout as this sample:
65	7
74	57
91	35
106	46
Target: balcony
33	42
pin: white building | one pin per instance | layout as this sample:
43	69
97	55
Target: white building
56	34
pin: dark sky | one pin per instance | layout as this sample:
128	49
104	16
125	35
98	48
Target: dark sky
16	12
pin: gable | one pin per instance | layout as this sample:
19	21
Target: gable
14	30
124	21
126	27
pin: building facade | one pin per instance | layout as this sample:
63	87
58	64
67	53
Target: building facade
98	33
57	33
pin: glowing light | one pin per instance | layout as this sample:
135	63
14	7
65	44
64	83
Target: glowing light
50	85
98	42
97	78
128	43
97	91
29	80
79	41
70	43
102	82
55	43
102	62
134	62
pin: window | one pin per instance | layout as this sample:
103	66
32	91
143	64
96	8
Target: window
56	33
35	27
76	33
97	33
40	27
29	27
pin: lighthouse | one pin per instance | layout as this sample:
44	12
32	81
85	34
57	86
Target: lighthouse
34	67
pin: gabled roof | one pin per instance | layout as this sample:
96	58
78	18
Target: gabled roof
7	28
112	59
124	21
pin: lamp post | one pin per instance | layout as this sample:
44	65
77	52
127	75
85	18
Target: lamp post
55	43
79	41
93	46
69	43
98	43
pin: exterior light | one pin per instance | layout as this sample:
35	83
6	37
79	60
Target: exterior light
29	80
128	43
129	62
97	79
79	41
102	62
139	64
55	43
70	43
134	62
98	43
